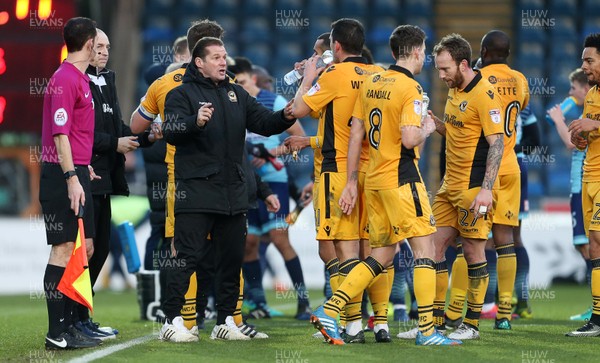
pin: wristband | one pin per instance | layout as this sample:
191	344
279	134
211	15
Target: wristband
69	174
314	142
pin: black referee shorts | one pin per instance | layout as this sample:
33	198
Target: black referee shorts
59	219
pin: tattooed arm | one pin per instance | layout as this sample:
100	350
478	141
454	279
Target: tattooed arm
484	198
350	192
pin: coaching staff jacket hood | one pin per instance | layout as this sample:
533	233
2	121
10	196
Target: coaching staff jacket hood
209	169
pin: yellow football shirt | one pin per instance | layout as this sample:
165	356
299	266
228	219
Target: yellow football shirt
512	89
388	101
334	94
153	104
470	115
591	110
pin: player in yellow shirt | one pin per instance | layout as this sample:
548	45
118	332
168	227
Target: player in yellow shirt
388	113
586	132
333	95
512	90
473	125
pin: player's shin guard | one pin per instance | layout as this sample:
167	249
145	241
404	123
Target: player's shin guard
595	291
441	288
379	294
353	286
478	281
237	313
425	278
459	282
507	268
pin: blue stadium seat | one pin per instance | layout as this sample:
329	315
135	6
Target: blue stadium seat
531	54
528	34
531	5
382	53
591	7
259	54
389	7
157	28
590	25
222	7
231	26
158	7
257	7
563	7
289	53
352	9
256	29
317	27
414	8
188	7
564	28
317	8
380	32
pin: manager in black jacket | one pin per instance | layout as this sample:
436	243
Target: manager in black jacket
206	118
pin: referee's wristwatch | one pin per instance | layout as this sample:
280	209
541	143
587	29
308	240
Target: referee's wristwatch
69	174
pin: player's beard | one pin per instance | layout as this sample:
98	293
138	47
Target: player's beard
458	79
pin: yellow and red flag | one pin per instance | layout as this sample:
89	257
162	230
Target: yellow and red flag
76	282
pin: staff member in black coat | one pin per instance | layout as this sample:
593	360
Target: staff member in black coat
112	140
206	119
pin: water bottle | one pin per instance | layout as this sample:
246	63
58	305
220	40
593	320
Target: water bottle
424	106
295	75
570	109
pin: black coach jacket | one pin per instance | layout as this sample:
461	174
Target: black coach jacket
209	171
108	128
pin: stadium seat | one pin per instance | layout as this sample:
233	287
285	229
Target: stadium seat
380	32
157	28
222	7
591	7
231	26
317	27
288	53
158	7
531	54
419	7
258	53
256	7
255	29
352	9
563	7
389	7
187	7
564	28
316	8
590	25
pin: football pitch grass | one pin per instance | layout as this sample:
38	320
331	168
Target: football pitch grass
540	339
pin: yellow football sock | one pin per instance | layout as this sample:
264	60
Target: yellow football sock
478	282
237	314
352	308
441	288
379	294
459	282
596	290
507	272
188	310
425	291
356	282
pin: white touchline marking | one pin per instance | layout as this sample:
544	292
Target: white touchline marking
112	349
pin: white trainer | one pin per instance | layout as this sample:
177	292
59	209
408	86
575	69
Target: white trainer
194	330
410	334
176	332
464	332
228	331
251	332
